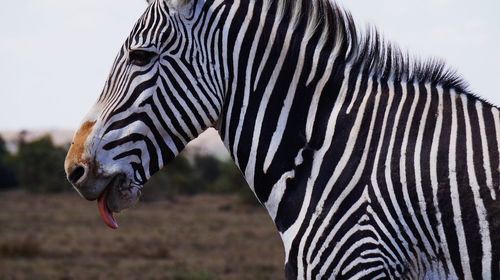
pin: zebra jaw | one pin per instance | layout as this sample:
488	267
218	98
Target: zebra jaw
115	197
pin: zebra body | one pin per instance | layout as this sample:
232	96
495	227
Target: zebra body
371	165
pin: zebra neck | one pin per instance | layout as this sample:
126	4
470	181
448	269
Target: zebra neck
272	76
281	92
297	108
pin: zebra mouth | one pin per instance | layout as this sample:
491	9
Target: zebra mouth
106	214
102	203
118	195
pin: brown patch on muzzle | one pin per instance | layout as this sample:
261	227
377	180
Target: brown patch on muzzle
75	153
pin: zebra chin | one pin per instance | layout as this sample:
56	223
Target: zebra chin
121	193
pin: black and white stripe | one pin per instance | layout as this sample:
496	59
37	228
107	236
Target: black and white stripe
371	165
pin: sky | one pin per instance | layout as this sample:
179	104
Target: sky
55	55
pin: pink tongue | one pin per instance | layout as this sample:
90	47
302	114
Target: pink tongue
107	216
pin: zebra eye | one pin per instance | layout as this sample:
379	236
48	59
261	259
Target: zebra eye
140	57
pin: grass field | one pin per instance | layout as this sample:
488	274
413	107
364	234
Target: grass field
202	237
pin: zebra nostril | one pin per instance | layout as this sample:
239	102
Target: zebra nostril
76	174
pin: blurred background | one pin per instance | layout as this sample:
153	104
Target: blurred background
197	219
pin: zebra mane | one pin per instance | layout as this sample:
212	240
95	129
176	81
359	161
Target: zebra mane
368	50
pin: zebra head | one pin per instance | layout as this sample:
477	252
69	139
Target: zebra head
161	93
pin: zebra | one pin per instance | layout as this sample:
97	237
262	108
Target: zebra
371	163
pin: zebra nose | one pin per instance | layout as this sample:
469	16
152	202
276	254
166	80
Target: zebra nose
77	173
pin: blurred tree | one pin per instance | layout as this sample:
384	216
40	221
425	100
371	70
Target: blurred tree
229	180
179	177
209	168
7	173
40	166
198	174
3	149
